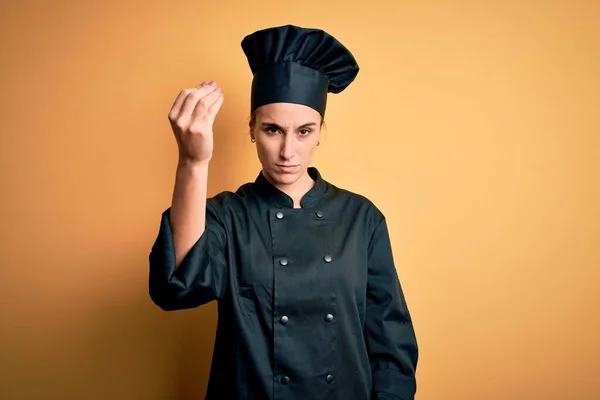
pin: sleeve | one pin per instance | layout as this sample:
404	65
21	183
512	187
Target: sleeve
202	274
389	332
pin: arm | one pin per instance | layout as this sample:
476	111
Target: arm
187	214
389	333
187	261
188	265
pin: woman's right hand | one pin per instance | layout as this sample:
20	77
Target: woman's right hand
192	117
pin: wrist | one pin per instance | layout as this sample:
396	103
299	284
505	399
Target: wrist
188	164
191	170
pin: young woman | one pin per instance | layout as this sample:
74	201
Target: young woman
309	302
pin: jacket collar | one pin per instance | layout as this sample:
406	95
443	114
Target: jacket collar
277	198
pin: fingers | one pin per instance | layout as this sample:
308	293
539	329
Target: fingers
216	106
192	99
176	107
214	109
204	104
195	109
205	112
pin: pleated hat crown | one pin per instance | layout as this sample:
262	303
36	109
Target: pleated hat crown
297	65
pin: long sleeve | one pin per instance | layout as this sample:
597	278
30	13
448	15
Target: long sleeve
389	332
202	275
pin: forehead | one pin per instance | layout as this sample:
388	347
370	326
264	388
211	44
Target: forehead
287	113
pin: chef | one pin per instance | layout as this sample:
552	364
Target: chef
309	301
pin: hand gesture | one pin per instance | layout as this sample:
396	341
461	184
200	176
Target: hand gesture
192	117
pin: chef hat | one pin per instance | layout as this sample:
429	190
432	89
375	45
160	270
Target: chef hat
297	65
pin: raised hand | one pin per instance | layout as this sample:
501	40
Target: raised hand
192	117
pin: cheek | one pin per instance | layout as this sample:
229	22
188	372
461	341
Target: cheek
267	150
308	150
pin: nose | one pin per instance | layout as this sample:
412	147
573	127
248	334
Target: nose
287	147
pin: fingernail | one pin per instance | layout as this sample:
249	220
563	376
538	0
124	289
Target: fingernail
212	83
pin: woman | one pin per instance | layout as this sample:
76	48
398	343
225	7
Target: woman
309	303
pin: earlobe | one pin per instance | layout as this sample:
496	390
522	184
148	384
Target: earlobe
251	133
251	130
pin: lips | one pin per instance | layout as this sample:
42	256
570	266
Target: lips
287	167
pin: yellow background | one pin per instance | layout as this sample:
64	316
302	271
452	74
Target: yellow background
473	125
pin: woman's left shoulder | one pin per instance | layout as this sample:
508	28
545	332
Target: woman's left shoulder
355	203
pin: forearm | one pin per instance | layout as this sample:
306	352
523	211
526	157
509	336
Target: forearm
389	331
393	353
188	207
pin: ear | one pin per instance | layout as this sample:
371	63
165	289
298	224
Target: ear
322	128
251	129
320	135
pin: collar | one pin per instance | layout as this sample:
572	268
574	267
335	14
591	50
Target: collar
276	197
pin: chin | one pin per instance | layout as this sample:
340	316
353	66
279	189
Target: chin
285	178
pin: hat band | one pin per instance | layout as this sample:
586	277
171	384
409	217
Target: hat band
289	82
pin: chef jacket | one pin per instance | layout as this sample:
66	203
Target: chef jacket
309	301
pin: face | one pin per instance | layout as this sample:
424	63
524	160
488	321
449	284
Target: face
286	137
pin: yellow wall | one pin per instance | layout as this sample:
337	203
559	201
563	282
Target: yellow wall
473	125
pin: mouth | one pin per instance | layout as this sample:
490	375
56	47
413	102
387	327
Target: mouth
287	167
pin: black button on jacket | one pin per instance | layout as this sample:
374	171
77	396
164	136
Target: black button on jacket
310	306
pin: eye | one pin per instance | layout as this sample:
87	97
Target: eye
304	131
271	129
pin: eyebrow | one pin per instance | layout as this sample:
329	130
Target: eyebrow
273	124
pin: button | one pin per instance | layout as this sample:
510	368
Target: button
285	380
327	258
279	215
329	378
285	319
320	214
329	318
283	261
